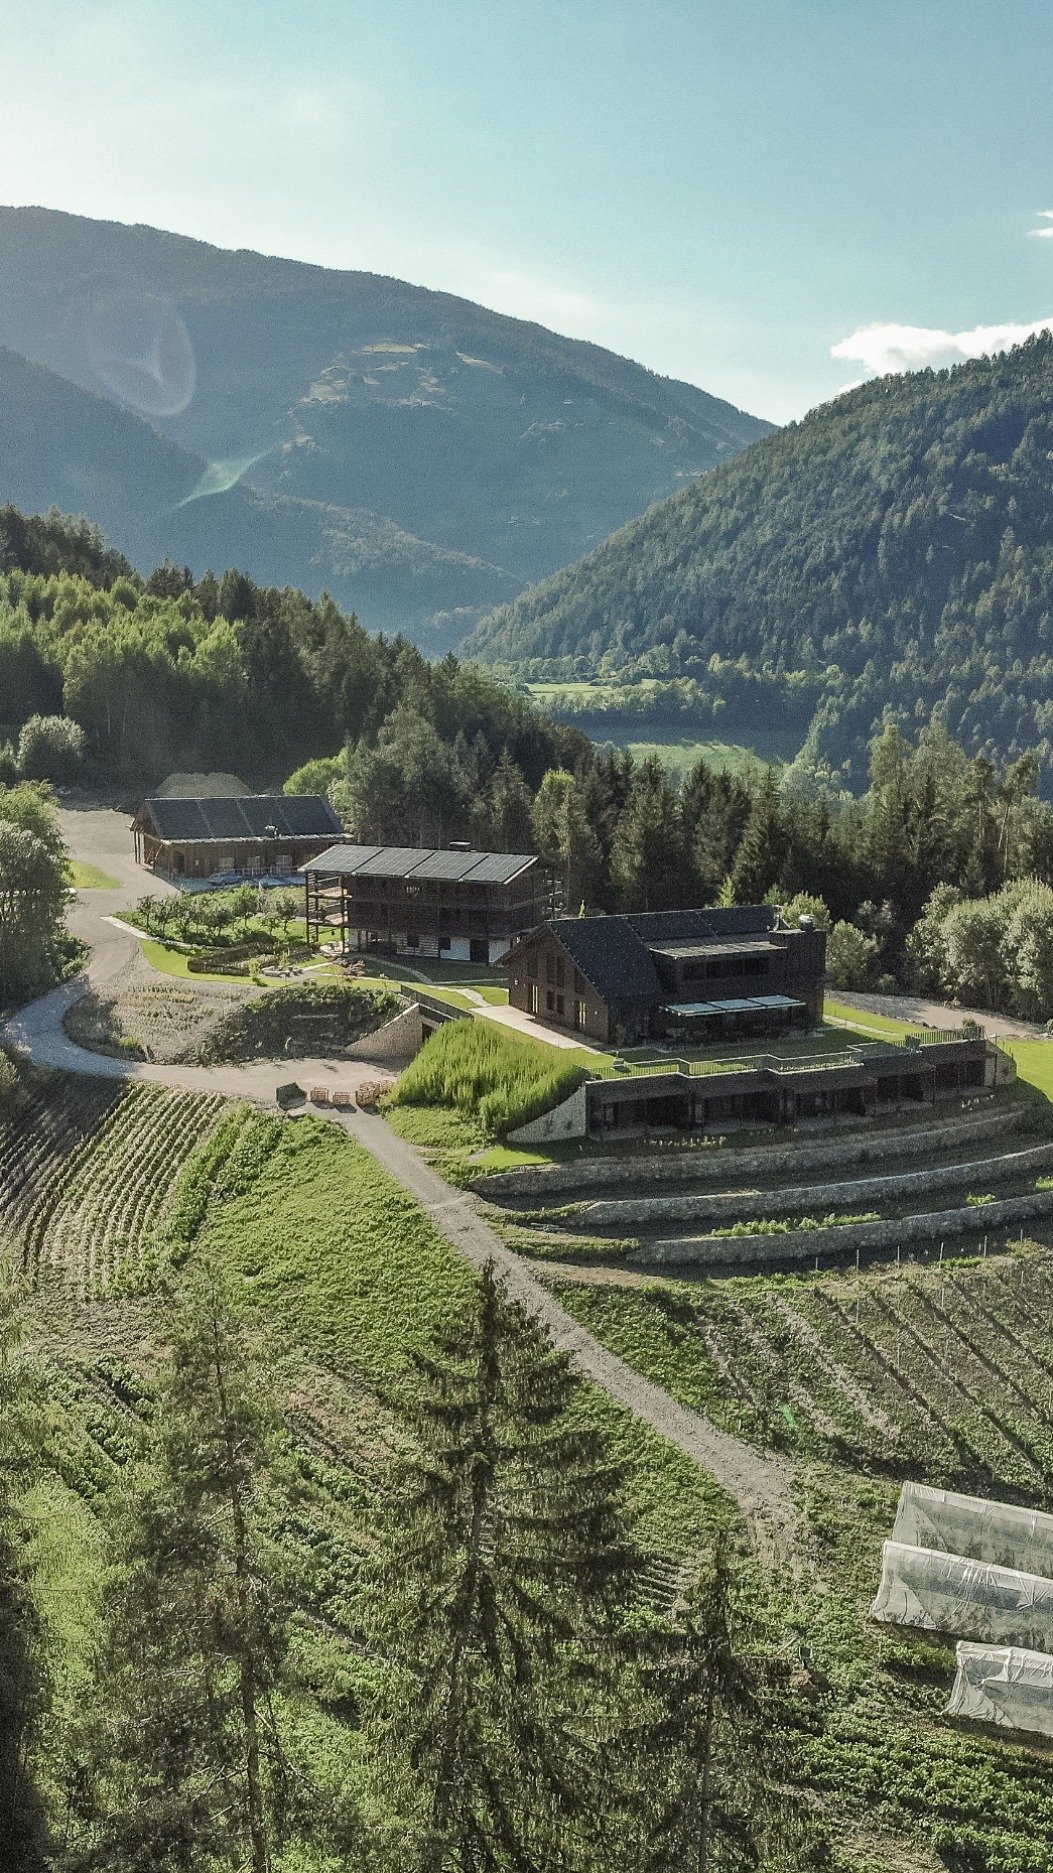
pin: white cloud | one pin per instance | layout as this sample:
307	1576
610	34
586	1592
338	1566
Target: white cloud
1044	234
885	349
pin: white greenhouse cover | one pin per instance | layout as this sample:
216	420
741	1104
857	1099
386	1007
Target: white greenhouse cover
972	1599
1003	1685
969	1525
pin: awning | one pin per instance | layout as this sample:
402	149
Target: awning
753	1005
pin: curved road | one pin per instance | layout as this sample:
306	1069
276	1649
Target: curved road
759	1484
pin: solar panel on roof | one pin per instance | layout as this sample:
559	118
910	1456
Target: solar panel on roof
423	862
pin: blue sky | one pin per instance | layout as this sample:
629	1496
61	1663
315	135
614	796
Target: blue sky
728	190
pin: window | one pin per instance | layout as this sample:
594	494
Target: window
579	1014
550	1000
532	998
560	1007
444	943
478	950
412	940
559	972
550	967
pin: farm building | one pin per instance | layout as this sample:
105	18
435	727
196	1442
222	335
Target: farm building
257	836
420	901
683	976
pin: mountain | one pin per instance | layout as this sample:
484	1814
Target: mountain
487	437
889	556
67	447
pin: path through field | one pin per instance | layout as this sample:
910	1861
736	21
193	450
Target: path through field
759	1484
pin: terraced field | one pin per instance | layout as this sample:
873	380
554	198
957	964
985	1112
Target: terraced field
978	1170
88	1173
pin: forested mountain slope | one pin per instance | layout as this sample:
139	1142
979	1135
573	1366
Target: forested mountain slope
482	434
891	554
69	448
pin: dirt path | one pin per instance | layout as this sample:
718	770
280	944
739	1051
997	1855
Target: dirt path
922	1013
760	1485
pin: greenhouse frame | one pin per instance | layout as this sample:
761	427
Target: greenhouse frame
1005	1686
998	1532
977	1600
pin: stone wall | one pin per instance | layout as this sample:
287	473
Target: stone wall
695	1162
805	1245
567	1120
626	1214
398	1040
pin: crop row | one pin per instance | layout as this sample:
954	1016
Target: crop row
941	1372
92	1209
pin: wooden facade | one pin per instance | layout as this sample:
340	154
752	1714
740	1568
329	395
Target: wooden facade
686	977
457	903
258	835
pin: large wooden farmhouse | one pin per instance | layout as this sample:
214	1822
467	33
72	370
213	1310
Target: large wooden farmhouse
681	976
409	900
259	835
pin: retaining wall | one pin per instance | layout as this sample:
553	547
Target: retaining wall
626	1213
398	1039
694	1163
804	1245
567	1120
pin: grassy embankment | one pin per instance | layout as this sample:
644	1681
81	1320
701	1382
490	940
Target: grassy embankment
343	1274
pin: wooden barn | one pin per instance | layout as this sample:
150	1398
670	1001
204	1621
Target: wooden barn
260	835
686	977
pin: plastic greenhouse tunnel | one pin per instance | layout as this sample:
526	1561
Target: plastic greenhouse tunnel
971	1599
1003	1685
998	1532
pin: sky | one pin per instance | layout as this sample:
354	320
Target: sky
769	198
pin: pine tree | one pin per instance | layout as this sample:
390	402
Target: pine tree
504	1560
22	1669
192	1772
759	859
648	861
711	1796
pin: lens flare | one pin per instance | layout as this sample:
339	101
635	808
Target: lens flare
141	351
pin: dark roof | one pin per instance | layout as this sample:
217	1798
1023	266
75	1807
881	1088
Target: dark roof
610	956
745	946
657	928
410	861
293	816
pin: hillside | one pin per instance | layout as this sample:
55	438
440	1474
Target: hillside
892	553
481	434
64	446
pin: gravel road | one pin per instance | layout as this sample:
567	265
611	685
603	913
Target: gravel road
759	1484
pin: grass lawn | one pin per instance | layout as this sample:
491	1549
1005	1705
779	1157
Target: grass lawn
174	963
89	878
865	1022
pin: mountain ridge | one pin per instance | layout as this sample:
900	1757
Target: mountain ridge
888	557
475	433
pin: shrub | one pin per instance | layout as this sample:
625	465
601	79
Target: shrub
50	747
316	1019
504	1081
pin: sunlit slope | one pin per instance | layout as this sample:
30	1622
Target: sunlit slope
894	549
64	446
483	434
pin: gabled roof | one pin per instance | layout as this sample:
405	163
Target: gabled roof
615	954
610	956
657	928
420	862
255	816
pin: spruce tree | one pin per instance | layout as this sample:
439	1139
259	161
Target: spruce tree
504	1561
648	861
761	855
712	1754
192	1773
22	1670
